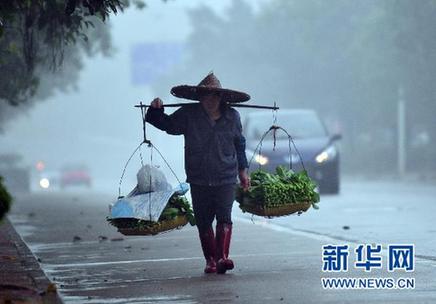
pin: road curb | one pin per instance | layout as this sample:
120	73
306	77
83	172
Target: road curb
21	278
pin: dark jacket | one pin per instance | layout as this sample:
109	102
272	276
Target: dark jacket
214	150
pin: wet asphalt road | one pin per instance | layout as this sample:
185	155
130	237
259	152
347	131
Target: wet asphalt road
277	260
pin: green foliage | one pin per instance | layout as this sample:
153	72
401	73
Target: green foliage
55	24
283	187
42	43
177	206
5	200
36	38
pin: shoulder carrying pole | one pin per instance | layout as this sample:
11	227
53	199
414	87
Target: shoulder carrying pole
236	105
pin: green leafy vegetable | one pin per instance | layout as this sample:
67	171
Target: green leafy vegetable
177	206
282	188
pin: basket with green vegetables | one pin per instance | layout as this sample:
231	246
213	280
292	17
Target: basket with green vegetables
176	214
282	193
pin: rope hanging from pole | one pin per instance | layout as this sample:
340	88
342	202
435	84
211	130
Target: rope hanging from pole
138	148
273	129
144	123
274	123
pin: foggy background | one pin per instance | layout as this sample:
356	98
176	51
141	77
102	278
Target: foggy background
351	61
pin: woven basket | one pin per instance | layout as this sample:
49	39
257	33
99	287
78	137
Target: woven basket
162	226
282	210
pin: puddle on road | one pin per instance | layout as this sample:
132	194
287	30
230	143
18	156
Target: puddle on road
56	267
144	300
37	247
81	285
61	245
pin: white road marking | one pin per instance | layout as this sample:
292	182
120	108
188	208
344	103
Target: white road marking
268	225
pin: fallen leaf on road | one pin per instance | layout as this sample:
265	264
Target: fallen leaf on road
51	288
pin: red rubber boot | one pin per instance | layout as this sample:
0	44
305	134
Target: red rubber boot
223	237
207	239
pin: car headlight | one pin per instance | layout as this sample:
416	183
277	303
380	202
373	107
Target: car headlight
44	183
327	154
258	158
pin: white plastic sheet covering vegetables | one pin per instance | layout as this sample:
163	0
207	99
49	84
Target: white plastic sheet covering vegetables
141	203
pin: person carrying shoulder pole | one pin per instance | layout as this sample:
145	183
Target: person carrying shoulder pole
214	158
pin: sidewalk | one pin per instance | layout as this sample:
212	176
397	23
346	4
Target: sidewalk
21	277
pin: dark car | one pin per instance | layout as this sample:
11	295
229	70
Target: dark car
319	154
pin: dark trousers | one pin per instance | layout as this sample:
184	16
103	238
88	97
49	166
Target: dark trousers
209	202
